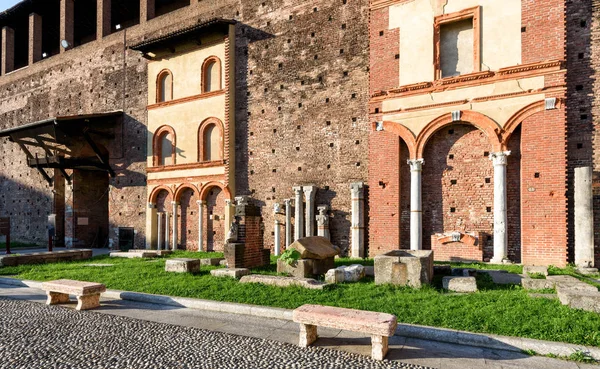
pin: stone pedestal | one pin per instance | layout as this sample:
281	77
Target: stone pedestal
247	251
459	284
182	265
323	222
404	268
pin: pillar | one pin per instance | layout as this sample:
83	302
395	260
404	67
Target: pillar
201	224
67	21
165	245
500	159
584	220
103	18
147	10
277	237
357	190
299	214
323	222
416	209
8	50
151	226
174	203
159	231
288	222
310	193
229	214
35	38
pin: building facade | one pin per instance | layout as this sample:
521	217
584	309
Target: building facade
142	120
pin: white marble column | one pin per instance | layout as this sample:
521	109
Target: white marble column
357	191
174	224
288	222
277	240
159	231
200	225
299	213
323	222
167	233
151	226
310	193
500	160
584	220
416	209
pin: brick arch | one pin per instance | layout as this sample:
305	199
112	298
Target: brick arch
156	144
202	128
209	185
405	134
517	118
163	74
205	64
480	121
156	191
183	187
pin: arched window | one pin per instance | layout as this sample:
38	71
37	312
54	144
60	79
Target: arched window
210	140
164	86
211	74
164	146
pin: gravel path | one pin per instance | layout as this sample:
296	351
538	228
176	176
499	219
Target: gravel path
33	335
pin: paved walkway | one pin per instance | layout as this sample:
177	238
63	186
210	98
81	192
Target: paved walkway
249	354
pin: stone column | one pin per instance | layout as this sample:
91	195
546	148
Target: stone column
500	159
277	240
299	214
229	214
174	203
151	226
357	190
167	233
8	50
35	38
201	225
159	231
584	220
416	209
103	18
288	222
310	193
323	222
147	10
67	21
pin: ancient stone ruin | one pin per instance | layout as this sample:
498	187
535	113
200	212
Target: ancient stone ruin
404	268
316	257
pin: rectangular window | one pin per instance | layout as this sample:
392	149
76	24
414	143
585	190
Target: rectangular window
457	39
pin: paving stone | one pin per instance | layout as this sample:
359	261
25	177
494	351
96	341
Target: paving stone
230	272
182	265
274	280
533	269
580	299
537	284
132	255
459	284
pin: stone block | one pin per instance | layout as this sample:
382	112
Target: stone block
211	261
133	255
352	273
223	262
279	281
533	269
580	299
182	265
230	272
537	284
404	267
302	268
334	276
315	247
459	284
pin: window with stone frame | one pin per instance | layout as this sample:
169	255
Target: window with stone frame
211	74
164	86
210	141
457	43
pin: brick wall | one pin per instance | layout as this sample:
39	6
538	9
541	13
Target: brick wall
594	61
384	52
188	224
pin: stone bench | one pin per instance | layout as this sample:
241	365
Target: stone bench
379	326
87	293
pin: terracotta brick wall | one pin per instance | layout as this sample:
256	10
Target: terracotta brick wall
458	251
384	52
594	61
188	220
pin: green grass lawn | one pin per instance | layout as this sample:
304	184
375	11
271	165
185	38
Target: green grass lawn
504	310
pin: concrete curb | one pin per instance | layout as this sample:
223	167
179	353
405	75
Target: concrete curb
489	341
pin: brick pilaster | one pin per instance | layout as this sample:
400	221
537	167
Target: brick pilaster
67	22
35	38
8	50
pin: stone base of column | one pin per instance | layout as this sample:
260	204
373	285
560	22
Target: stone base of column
587	270
500	261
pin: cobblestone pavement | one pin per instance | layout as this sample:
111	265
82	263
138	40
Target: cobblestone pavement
33	335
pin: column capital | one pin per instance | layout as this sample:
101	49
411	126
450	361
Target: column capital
174	203
151	205
276	208
416	165
201	202
287	202
227	202
309	191
242	200
297	190
357	188
322	209
499	158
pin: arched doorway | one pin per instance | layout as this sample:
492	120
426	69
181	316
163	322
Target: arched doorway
188	219
164	209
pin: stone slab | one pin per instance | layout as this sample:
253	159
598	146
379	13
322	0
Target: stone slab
156	252
211	261
279	281
182	265
580	299
230	272
537	284
315	247
99	265
133	255
347	319
534	269
71	287
459	284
